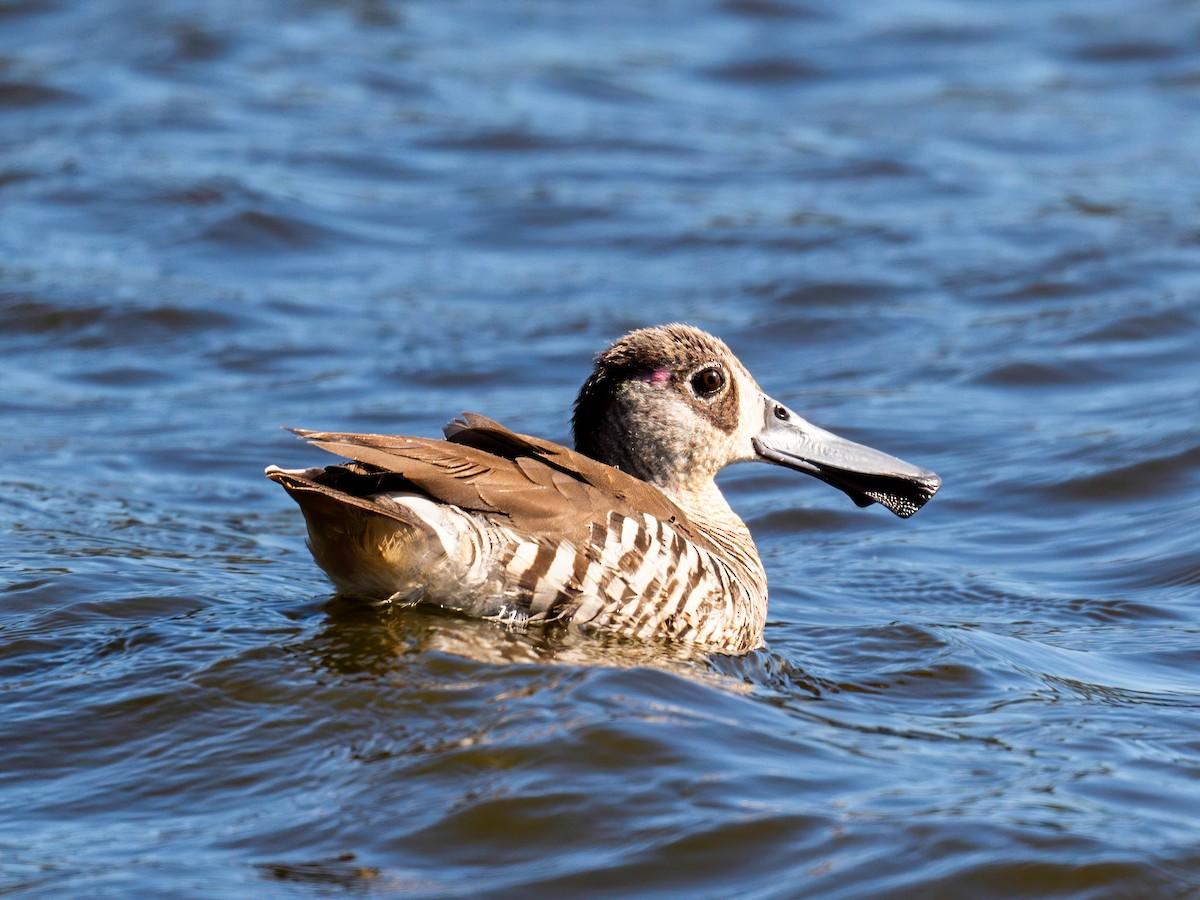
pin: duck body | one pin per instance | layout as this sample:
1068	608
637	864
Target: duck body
628	533
505	526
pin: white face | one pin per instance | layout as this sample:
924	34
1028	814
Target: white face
673	406
753	403
687	424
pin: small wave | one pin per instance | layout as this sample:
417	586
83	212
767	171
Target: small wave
1157	476
834	295
760	72
1155	676
1040	374
512	140
25	94
1141	326
260	231
768	9
1127	52
91	324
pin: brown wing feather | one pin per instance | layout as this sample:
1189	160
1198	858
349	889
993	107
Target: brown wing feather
432	467
485	467
331	490
474	430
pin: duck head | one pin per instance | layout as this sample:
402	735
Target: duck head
673	406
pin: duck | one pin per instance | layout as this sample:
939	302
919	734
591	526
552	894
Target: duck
628	533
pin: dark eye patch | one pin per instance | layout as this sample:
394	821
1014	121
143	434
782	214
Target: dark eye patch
708	381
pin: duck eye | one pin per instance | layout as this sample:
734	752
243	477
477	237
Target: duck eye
708	381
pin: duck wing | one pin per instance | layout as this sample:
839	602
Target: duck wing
540	486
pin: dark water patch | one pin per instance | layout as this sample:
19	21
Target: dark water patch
769	9
1095	207
252	232
394	85
1178	570
196	194
343	871
186	44
1043	375
1127	52
580	152
305	364
193	43
16	176
24	313
28	94
1122	611
501	140
89	325
1044	290
521	221
725	234
815	332
1190	239
857	169
362	168
128	377
766	72
944	682
992	285
951	33
1021	876
1161	475
1185	80
1170	322
17	8
837	295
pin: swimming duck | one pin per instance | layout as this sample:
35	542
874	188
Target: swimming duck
627	533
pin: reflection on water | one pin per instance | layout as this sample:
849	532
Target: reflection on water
965	233
370	639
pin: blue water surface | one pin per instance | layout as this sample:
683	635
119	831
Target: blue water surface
963	232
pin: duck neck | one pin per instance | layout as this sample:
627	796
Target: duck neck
708	509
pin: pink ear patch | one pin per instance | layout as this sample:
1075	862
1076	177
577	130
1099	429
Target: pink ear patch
659	376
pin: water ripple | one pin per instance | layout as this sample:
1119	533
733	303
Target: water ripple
965	235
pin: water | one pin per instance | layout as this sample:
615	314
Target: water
963	233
